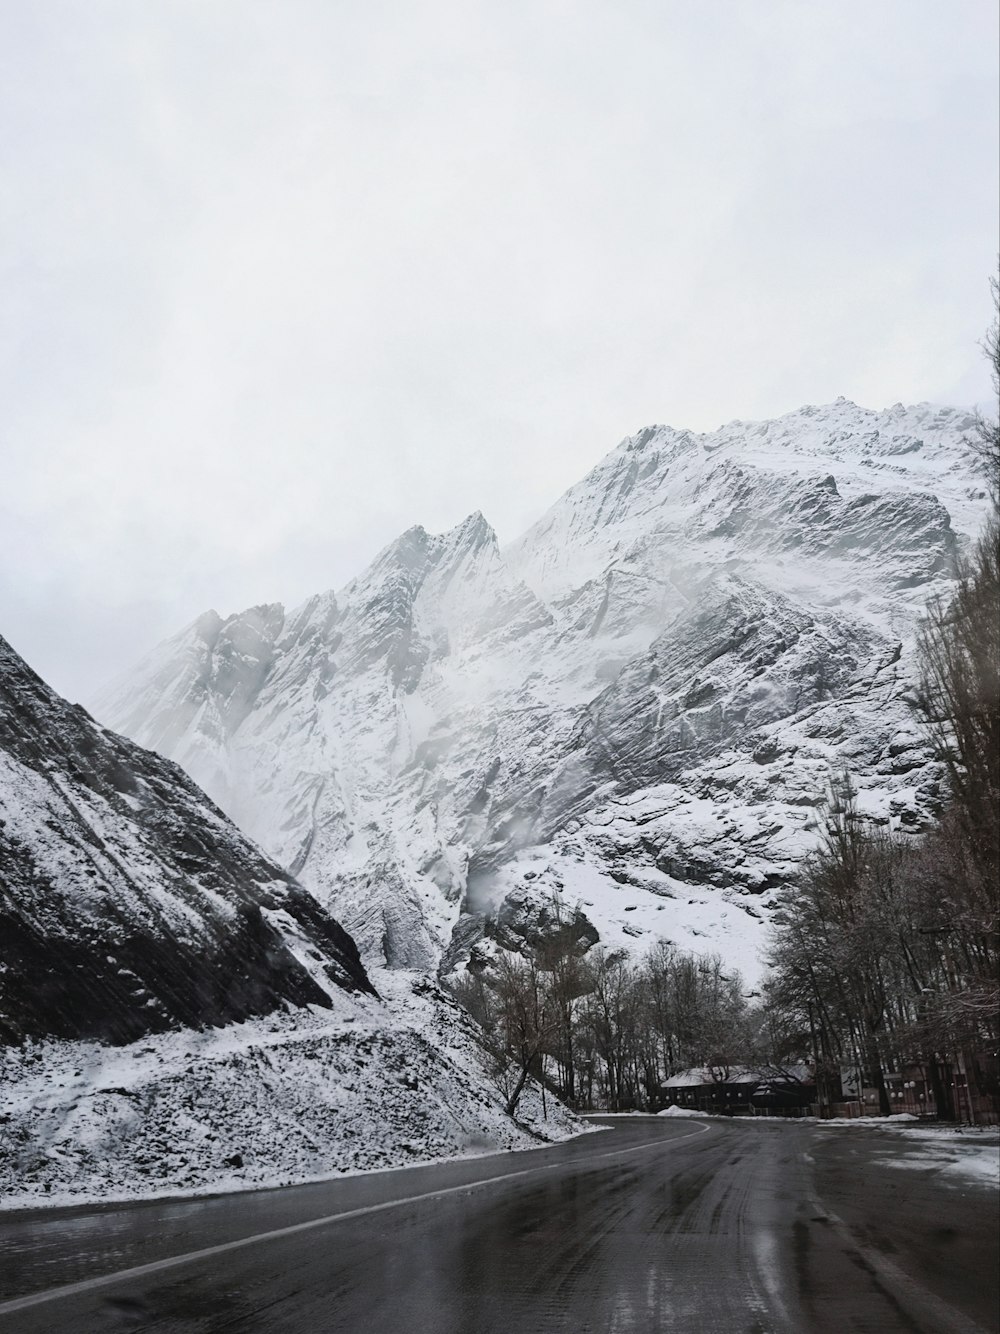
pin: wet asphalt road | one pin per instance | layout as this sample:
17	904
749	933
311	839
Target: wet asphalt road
736	1227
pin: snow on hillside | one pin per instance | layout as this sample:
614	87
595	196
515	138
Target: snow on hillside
648	691
300	1095
128	902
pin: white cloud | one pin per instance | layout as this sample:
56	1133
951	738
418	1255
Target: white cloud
282	279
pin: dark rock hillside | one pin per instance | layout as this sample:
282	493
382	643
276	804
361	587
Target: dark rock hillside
128	902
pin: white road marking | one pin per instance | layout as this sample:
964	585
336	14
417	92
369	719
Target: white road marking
157	1266
909	1291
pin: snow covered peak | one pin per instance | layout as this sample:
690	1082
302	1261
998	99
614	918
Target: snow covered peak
416	551
757	487
202	682
473	531
679	651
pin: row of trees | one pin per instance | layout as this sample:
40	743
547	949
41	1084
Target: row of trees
885	955
601	1029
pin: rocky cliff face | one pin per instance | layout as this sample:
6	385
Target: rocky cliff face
635	707
128	903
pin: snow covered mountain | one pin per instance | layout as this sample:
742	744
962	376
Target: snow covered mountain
128	903
636	706
177	1014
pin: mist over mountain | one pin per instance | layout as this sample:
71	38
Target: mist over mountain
636	706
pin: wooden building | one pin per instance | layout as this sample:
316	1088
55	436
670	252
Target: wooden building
742	1091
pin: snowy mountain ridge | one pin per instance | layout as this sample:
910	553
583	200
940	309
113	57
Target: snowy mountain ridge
178	1014
636	705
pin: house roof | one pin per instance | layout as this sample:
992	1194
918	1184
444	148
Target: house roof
703	1076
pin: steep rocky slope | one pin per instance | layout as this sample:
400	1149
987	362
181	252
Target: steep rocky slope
128	903
371	1082
177	1014
636	706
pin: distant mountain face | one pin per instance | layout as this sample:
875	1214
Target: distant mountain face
128	902
635	707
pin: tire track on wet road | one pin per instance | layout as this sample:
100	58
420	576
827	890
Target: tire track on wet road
734	1228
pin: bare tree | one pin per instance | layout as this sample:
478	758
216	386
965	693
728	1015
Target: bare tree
960	657
617	1028
986	440
527	1018
568	978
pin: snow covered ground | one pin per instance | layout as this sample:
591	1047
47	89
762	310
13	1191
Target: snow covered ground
957	1155
290	1098
634	905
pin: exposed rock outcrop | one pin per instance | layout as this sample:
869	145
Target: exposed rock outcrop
128	903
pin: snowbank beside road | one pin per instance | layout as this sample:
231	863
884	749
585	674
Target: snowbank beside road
959	1156
268	1102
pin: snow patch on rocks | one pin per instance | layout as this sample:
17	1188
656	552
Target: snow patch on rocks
665	669
297	1096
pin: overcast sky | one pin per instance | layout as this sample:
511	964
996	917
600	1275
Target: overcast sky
282	278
